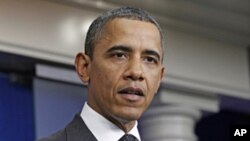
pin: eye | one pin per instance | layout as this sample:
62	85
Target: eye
119	55
151	60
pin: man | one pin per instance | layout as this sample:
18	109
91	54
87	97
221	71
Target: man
123	67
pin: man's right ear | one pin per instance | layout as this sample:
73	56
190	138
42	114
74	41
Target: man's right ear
82	65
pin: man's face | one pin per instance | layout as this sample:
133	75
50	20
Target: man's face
126	69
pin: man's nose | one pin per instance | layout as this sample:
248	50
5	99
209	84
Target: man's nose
134	71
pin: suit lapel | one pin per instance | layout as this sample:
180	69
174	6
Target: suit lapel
77	130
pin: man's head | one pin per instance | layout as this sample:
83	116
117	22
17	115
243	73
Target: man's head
122	65
96	28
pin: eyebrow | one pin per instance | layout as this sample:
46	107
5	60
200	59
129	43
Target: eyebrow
119	47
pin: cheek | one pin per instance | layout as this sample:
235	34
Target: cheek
105	76
111	73
153	83
154	79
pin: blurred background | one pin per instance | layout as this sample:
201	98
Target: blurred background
205	90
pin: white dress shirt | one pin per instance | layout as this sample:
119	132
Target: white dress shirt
103	129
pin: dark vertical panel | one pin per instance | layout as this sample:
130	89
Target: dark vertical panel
236	104
56	103
216	127
233	111
249	62
16	111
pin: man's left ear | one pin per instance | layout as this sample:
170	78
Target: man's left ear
162	76
82	65
162	72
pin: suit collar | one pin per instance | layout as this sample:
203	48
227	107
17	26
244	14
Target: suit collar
78	131
104	130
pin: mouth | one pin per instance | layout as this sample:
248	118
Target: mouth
132	91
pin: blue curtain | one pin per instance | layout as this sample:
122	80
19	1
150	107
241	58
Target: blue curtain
16	111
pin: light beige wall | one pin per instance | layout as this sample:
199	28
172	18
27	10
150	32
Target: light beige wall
43	29
215	66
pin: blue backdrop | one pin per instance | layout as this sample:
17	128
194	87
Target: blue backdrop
16	111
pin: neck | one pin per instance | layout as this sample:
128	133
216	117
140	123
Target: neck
126	126
123	124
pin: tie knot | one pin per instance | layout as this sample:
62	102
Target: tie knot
128	137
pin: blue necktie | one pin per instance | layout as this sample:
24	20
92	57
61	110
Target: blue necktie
128	137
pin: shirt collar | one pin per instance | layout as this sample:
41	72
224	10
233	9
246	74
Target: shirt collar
104	130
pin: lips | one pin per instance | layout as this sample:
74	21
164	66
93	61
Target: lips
131	91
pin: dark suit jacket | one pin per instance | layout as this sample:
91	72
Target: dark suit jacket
76	130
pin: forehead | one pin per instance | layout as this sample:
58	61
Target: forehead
127	25
129	30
